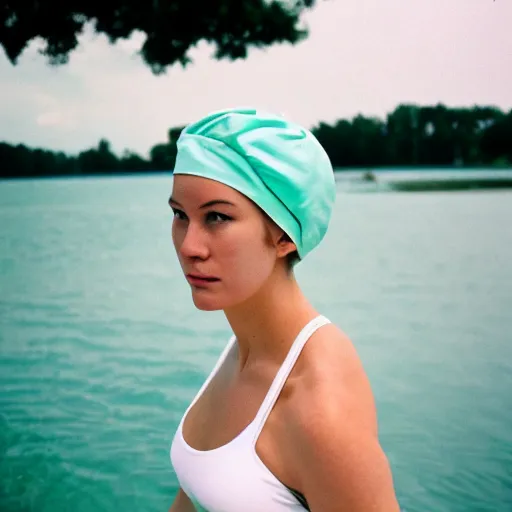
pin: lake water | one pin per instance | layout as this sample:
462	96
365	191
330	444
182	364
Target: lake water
101	348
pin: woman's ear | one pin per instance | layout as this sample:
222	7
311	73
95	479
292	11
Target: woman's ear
277	238
285	246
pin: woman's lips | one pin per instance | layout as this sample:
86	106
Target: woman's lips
199	280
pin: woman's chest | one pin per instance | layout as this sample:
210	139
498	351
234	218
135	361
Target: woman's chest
225	409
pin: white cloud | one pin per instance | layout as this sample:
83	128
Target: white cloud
56	118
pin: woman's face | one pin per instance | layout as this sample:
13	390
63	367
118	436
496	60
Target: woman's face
223	241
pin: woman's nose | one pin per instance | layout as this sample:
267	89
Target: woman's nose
194	244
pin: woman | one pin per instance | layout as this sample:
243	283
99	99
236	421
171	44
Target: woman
286	420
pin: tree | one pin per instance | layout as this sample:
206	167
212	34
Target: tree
402	132
172	27
369	140
100	160
496	141
162	157
132	162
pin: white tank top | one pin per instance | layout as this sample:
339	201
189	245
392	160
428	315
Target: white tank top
232	478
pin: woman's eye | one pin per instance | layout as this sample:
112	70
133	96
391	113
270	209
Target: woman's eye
178	214
216	217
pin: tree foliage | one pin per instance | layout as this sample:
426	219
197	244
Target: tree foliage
410	136
172	27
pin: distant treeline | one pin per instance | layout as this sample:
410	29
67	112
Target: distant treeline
410	136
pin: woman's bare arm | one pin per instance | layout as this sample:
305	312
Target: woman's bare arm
340	464
182	503
344	469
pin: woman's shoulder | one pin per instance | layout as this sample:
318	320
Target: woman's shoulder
329	381
331	416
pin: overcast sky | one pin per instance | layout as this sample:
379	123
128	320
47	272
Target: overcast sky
362	56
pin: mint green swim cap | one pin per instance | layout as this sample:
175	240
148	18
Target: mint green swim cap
277	164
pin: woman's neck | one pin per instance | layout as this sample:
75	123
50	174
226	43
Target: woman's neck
266	325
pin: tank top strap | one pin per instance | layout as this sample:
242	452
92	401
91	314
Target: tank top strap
285	370
218	364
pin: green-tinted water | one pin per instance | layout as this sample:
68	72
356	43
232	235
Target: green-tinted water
101	348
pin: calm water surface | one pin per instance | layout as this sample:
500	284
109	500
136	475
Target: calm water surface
101	348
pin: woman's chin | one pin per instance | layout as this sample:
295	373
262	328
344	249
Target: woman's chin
206	300
206	303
